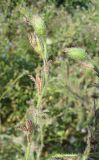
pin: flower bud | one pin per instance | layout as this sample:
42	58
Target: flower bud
38	25
76	53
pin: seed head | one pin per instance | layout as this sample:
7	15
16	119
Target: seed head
35	43
76	53
38	25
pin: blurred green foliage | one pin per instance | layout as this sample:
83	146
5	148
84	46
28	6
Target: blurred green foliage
69	23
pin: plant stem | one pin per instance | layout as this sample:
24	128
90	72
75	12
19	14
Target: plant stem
41	134
45	79
27	151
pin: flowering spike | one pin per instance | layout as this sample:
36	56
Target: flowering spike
38	25
35	43
76	53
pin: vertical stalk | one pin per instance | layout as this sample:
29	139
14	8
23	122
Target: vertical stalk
45	78
27	151
40	137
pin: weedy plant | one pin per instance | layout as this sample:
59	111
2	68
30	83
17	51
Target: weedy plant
36	116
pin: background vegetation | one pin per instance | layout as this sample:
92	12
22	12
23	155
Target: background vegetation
69	23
